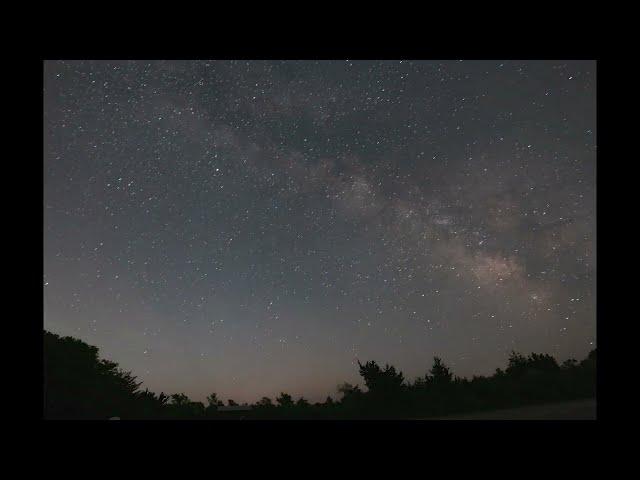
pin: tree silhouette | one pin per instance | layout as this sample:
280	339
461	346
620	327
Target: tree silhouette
265	402
179	399
302	403
80	385
285	400
348	391
517	364
213	403
380	381
440	373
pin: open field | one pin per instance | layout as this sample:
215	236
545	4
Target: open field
577	410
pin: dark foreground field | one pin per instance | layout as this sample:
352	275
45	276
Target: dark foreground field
577	410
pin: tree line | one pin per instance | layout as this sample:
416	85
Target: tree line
80	385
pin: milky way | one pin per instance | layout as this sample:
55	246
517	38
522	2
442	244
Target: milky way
251	227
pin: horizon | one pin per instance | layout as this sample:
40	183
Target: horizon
320	397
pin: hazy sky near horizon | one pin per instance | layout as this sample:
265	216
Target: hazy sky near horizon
252	227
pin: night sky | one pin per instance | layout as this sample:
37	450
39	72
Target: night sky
252	227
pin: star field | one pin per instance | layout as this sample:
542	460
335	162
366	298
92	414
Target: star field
251	227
